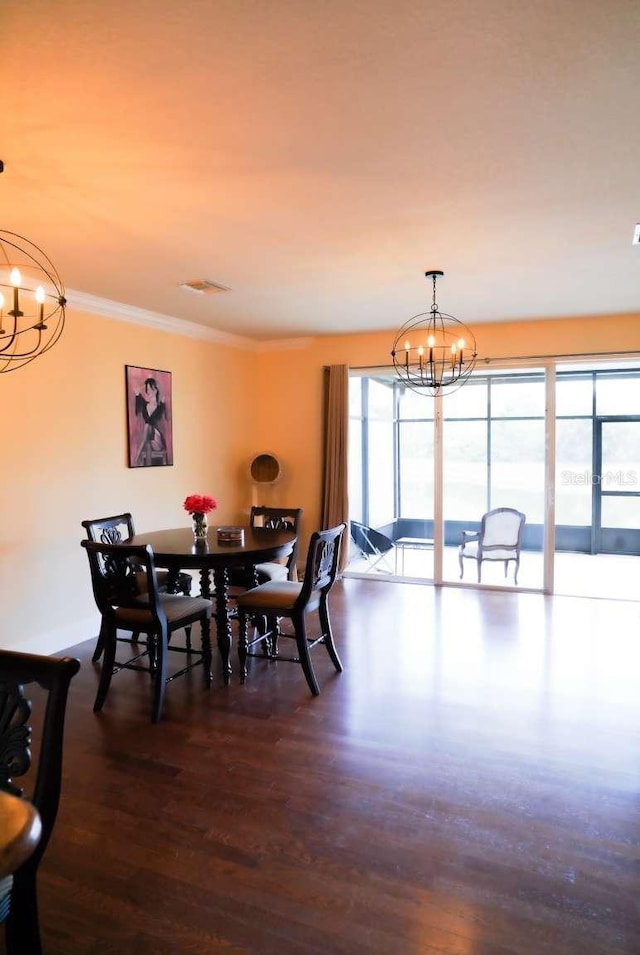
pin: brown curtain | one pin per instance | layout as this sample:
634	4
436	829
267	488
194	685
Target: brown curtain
335	500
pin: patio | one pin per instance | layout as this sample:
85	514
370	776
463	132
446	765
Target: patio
614	576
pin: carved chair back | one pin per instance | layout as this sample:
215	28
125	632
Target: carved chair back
53	676
280	519
116	573
321	568
110	530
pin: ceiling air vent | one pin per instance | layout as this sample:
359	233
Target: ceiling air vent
636	235
204	287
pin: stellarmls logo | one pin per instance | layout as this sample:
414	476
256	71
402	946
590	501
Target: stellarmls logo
628	478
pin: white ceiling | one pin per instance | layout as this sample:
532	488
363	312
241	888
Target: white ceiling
316	156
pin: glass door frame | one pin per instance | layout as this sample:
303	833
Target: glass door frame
514	367
549	365
549	370
597	490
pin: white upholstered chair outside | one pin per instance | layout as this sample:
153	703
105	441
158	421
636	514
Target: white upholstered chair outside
499	538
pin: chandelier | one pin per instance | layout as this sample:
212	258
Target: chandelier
433	351
32	302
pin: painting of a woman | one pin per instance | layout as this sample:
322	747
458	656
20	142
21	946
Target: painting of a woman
149	417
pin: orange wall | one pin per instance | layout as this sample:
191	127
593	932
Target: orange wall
63	436
64	440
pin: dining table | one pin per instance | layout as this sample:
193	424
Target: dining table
176	550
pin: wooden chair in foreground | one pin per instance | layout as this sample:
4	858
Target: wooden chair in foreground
279	599
119	529
18	892
125	604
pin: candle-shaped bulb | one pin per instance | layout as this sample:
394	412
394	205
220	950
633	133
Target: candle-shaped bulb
15	278
40	300
407	346
431	342
461	343
1	300
454	348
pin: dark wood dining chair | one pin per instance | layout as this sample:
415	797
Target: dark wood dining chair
127	604
18	892
278	599
119	529
276	519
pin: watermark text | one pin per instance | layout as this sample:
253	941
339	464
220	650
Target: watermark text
620	478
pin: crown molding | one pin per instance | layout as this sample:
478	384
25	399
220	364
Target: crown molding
107	308
163	323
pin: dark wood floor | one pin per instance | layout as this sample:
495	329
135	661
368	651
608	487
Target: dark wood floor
470	785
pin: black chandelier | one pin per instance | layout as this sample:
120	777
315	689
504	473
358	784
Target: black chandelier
433	351
32	302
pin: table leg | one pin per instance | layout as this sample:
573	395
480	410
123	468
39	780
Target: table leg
221	580
205	590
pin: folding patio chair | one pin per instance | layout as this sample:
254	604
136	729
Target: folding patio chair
373	545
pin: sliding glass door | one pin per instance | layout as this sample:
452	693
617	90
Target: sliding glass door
494	457
372	472
423	471
598	481
415	470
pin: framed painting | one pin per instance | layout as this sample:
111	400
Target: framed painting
149	417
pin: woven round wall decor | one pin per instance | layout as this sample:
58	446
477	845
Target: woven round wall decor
265	469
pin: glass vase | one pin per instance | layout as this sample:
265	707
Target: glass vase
199	525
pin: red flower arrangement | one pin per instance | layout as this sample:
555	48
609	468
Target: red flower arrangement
199	504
